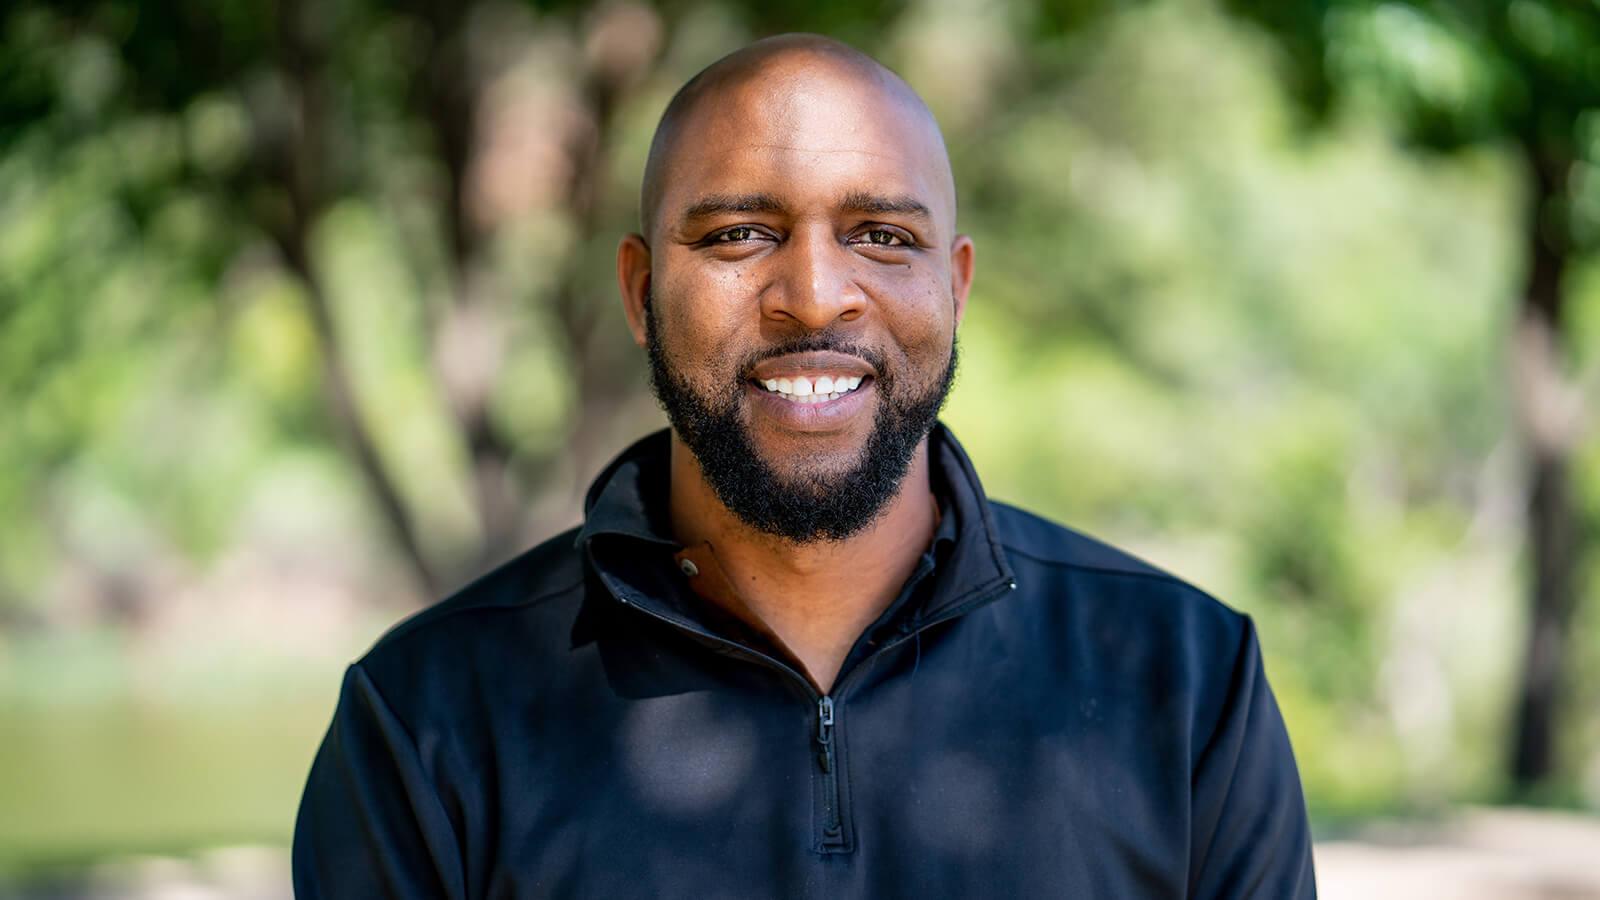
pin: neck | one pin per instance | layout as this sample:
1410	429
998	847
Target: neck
816	597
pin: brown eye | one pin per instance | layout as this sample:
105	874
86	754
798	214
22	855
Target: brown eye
883	238
734	235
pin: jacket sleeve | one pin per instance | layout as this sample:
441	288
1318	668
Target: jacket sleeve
370	824
1251	837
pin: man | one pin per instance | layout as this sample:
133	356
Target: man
793	650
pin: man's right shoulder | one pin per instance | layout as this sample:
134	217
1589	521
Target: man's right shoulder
546	580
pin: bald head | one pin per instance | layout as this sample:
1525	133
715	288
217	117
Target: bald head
776	90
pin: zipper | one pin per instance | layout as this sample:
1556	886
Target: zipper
953	612
833	833
832	839
734	647
832	823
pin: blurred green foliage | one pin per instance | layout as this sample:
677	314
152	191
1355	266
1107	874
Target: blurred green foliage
1270	358
1521	77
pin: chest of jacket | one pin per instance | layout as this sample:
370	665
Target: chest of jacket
664	770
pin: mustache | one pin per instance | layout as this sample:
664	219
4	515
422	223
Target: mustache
813	343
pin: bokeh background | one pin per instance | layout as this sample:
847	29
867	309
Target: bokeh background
307	316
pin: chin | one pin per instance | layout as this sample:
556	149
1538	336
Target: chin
803	459
816	476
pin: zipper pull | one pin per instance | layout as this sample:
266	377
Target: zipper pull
825	733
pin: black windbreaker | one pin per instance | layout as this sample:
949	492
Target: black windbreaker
1037	715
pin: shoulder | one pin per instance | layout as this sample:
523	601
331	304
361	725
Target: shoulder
1122	626
1033	536
447	677
541	582
1108	585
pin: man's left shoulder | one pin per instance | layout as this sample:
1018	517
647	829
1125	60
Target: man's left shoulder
1097	579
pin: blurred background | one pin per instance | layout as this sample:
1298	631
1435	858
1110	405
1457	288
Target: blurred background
307	316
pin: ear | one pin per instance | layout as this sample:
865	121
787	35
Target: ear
961	273
633	280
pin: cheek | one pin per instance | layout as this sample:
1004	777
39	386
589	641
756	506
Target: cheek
697	294
699	333
921	318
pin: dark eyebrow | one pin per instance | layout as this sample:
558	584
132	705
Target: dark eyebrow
861	202
717	204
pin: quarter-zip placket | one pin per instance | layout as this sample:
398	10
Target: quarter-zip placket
832	839
829	834
832	831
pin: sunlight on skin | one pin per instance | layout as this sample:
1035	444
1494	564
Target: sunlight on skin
797	189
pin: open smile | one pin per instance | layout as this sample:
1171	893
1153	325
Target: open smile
813	389
812	410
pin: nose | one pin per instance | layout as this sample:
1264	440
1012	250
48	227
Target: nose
815	286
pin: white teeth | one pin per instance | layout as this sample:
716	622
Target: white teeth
802	389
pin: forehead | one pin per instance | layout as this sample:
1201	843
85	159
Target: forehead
807	136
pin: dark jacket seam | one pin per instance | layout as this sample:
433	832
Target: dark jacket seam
1107	570
1241	672
428	778
435	615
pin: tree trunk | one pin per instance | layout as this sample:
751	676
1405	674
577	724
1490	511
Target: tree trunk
466	344
299	164
1548	414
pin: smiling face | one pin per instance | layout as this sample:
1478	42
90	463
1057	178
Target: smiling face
802	284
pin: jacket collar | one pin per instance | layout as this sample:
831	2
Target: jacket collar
627	503
630	496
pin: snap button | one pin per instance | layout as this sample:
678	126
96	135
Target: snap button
688	567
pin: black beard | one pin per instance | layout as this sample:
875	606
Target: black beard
829	507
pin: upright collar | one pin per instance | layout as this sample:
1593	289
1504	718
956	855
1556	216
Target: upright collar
629	501
630	497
